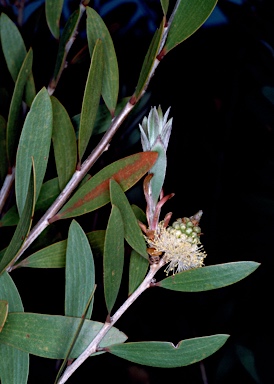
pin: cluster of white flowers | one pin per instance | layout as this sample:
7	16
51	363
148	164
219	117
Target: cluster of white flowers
180	251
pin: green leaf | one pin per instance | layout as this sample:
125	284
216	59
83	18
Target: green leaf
138	267
10	218
248	360
139	213
95	192
14	364
91	98
9	292
50	190
14	122
190	15
51	335
103	117
2	252
96	29
54	256
15	51
67	34
64	143
164	4
166	355
37	129
133	234
13	45
4	306
3	150
53	14
22	228
148	63
78	330
80	273
211	277
113	257
97	241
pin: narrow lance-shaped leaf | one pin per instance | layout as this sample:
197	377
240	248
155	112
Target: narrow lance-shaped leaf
138	265
190	15
148	62
167	355
211	277
95	192
13	125
64	143
13	45
34	142
51	335
14	364
53	14
22	228
10	218
113	257
4	307
49	191
164	4
64	45
3	149
15	51
133	234
248	360
96	29
77	332
91	98
103	117
54	256
80	273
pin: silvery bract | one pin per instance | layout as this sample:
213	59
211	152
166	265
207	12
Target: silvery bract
155	133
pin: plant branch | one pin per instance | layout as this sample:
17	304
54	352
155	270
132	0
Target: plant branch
4	192
85	167
74	181
93	346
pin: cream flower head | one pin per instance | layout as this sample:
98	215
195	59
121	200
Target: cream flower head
180	247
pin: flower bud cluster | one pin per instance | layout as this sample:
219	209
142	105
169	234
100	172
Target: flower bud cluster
186	229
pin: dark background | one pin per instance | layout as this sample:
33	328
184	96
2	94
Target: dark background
220	160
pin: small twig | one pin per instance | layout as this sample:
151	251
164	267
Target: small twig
167	27
83	317
203	372
93	346
6	187
20	6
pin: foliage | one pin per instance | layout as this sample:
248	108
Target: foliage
47	152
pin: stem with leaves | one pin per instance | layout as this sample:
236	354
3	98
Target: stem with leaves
84	168
94	345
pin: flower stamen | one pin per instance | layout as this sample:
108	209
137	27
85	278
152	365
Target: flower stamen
182	251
